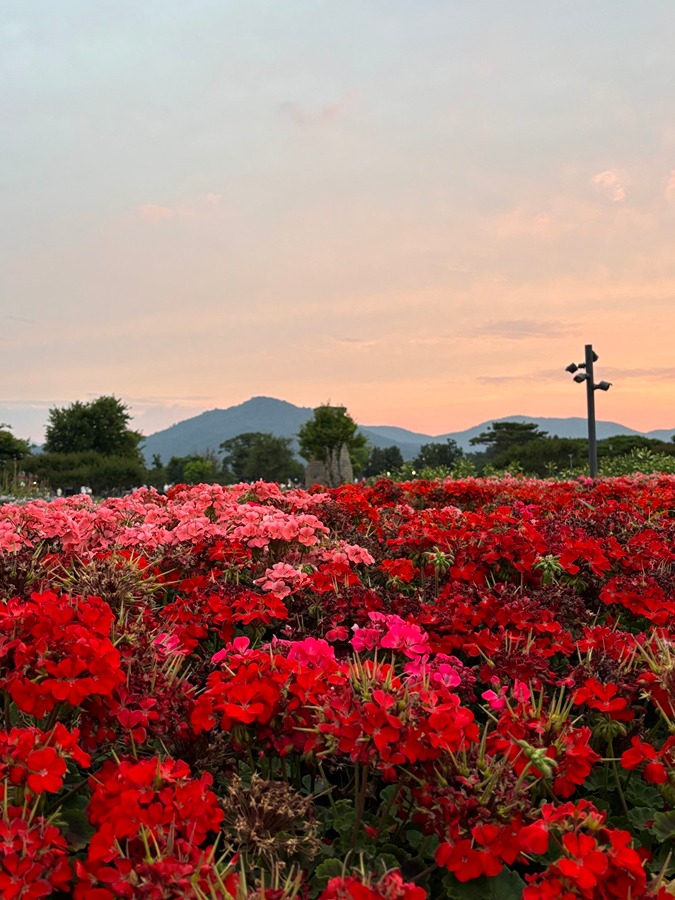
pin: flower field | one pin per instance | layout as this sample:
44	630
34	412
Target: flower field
460	689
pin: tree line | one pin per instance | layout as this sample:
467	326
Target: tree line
92	444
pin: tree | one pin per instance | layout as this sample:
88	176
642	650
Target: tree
200	471
103	474
12	450
438	454
503	435
257	455
91	444
622	444
383	459
544	456
176	468
323	437
100	426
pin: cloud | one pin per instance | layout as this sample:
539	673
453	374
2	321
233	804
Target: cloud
154	212
521	329
17	318
151	212
327	113
655	373
539	375
354	341
610	183
669	191
519	222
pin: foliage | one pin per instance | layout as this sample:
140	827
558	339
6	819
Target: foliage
444	454
462	468
12	451
102	473
327	431
638	460
623	444
259	455
382	460
100	426
200	471
542	456
502	436
395	691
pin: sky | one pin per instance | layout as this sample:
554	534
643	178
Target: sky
422	210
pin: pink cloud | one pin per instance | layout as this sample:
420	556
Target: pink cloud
520	222
610	182
154	212
326	113
669	192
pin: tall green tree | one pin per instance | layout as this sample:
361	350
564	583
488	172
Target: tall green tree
13	451
503	435
200	471
101	426
102	473
383	459
544	456
322	437
91	444
259	455
443	453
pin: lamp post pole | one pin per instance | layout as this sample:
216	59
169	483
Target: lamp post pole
590	401
591	388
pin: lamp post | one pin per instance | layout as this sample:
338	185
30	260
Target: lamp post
591	387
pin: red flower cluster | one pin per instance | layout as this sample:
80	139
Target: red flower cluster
57	649
437	675
152	821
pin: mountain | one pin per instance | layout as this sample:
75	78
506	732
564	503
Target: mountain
208	430
573	427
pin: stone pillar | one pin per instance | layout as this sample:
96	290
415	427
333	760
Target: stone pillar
338	469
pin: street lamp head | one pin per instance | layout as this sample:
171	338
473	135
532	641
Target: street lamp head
595	356
571	368
602	386
580	377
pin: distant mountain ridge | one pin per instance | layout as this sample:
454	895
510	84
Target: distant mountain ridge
208	430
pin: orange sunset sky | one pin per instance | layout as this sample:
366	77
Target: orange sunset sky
420	210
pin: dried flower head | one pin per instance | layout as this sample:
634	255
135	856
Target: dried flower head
269	821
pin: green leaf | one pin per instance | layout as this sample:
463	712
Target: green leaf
639	816
664	826
414	838
638	793
78	831
507	885
329	868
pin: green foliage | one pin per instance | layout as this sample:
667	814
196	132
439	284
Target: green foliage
259	455
100	426
199	471
638	460
11	448
192	469
70	471
543	456
507	885
502	435
382	460
433	455
91	444
12	451
327	431
463	468
623	444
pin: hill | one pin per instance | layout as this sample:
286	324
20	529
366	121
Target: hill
208	430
